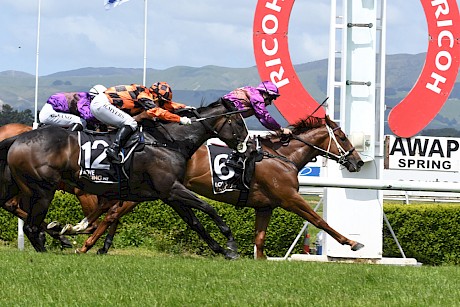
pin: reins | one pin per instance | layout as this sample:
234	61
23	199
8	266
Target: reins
326	153
242	145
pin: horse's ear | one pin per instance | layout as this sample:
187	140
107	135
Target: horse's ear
328	120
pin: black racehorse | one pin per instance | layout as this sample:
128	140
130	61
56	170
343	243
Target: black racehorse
39	160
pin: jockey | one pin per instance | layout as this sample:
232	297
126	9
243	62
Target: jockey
68	110
255	99
116	106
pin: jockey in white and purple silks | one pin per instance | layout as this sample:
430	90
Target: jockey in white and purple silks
69	110
255	99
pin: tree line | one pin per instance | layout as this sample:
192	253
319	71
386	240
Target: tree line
9	115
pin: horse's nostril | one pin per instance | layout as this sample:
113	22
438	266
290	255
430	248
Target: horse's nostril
360	163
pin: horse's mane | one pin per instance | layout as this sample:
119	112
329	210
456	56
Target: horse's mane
302	125
228	104
306	124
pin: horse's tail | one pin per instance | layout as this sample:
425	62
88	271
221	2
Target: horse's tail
5	175
5	147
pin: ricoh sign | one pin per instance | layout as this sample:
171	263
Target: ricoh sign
408	117
423	153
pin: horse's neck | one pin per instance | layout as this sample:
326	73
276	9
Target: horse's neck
191	137
300	153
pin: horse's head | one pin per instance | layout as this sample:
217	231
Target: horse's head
332	143
341	146
224	121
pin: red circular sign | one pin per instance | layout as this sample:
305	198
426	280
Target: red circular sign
274	63
412	114
439	73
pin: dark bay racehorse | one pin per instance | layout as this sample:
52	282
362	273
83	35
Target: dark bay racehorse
88	201
40	159
275	182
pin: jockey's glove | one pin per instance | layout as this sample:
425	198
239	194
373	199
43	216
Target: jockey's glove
185	121
285	131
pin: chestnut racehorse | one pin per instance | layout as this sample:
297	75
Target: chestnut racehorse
274	184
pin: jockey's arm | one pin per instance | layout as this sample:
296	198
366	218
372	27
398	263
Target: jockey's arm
146	103
163	114
172	106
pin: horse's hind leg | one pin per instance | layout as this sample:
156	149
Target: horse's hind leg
182	197
32	226
12	206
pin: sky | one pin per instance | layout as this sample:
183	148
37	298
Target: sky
82	33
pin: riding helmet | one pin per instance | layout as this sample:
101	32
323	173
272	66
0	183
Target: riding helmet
163	90
96	90
269	87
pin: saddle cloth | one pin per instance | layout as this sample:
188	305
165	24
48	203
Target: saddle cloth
93	161
224	178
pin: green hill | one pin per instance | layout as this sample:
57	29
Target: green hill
196	85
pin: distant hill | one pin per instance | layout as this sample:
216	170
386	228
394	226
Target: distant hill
196	85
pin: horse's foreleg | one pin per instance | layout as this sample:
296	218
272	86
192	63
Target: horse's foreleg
112	216
194	223
299	206
263	216
101	228
181	196
92	209
126	207
108	239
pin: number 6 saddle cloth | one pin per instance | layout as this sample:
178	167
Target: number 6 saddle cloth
226	178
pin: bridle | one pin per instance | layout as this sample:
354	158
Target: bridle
343	154
242	144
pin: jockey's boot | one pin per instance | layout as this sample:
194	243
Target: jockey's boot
76	127
113	151
235	160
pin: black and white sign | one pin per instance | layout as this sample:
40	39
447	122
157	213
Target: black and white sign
423	153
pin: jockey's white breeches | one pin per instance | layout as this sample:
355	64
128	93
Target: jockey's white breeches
107	113
49	116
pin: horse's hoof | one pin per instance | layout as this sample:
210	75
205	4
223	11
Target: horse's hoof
231	245
56	226
230	255
65	243
101	251
357	246
67	230
78	251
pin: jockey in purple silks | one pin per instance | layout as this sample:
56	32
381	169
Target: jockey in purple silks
255	99
69	110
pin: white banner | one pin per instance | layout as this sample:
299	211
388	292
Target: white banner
423	153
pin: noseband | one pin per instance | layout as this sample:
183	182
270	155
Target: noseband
343	154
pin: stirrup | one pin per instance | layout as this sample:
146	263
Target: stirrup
76	127
113	156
